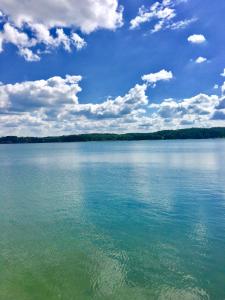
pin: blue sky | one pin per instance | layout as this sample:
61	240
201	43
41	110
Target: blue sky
106	46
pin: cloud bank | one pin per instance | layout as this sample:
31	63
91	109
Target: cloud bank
52	106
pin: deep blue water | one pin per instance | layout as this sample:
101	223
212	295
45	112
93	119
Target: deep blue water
113	220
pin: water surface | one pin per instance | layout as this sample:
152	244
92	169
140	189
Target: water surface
113	220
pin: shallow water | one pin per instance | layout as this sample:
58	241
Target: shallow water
113	220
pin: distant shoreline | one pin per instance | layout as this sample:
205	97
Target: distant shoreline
179	134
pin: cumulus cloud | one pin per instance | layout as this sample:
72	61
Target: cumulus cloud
42	18
200	110
162	14
130	103
87	15
41	36
162	75
200	60
32	95
58	92
196	39
198	107
52	106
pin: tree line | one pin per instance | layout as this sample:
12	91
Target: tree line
188	133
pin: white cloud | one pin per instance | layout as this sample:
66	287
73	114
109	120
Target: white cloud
181	24
40	17
51	107
33	95
42	33
41	36
196	39
121	106
12	35
59	95
162	75
156	11
223	73
87	15
28	54
197	107
163	14
45	107
62	39
200	60
78	41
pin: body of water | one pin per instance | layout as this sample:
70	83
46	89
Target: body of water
113	220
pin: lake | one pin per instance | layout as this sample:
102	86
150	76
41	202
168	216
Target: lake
113	220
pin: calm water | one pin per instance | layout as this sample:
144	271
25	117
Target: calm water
113	220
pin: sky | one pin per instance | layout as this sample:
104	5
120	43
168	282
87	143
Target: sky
72	66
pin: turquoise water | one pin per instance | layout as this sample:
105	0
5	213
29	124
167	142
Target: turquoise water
113	220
